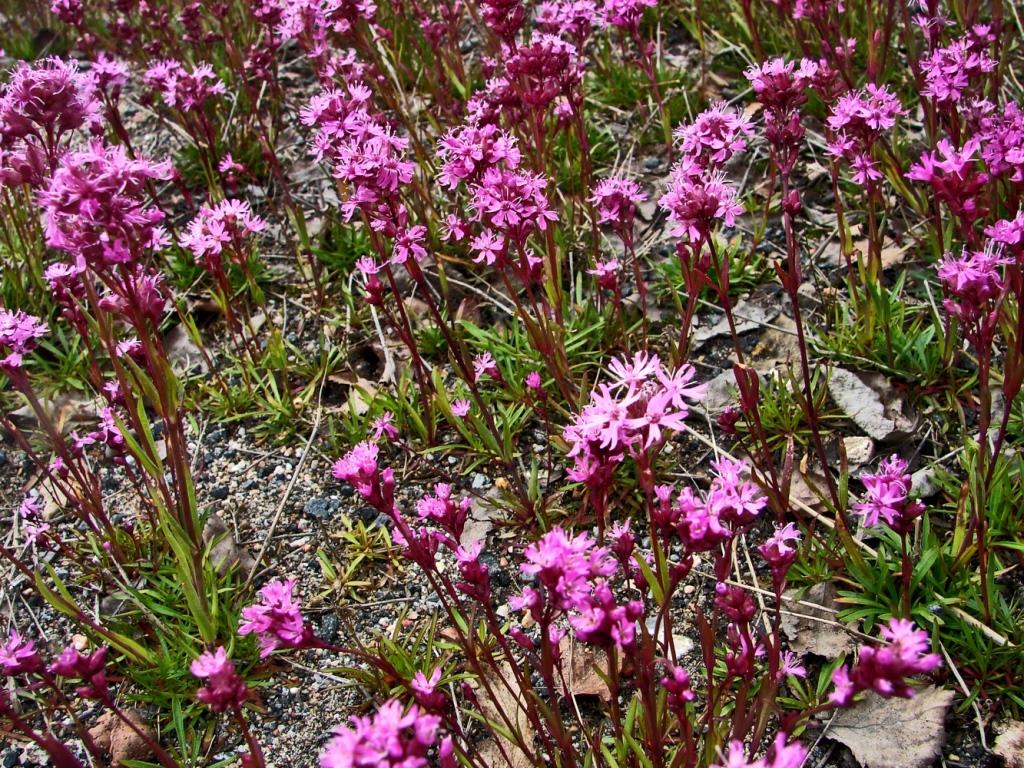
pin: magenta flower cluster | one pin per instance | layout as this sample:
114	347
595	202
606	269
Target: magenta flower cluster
629	415
392	738
699	196
276	619
224	688
572	576
884	669
888	497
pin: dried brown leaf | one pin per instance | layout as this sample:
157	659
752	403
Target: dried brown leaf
895	733
582	674
872	404
507	699
814	630
1010	744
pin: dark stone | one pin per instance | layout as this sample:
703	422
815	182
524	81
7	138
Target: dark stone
216	436
320	508
651	163
220	492
328	631
12	757
249	485
3	458
367	514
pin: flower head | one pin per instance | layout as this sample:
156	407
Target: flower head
884	669
224	226
96	206
45	101
18	656
392	738
224	689
715	135
616	200
276	618
698	200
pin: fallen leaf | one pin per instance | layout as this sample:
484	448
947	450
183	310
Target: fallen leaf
859	450
182	352
1010	744
807	633
508	699
870	401
361	392
582	675
747	316
64	411
721	393
802	485
895	733
225	553
778	344
481	517
119	739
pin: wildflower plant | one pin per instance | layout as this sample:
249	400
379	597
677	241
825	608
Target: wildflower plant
456	198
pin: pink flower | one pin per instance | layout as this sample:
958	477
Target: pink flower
425	691
563	566
475	575
448	512
607	274
950	71
780	549
461	408
574	18
484	365
616	200
1009	233
19	331
602	621
888	497
629	415
45	101
225	225
359	468
733	498
716	134
866	112
96	206
697	200
384	427
625	14
182	89
955	177
512	203
973	281
409	243
677	685
543	70
18	656
90	670
780	755
277	619
225	688
392	738
884	669
363	150
467	151
1002	139
791	665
